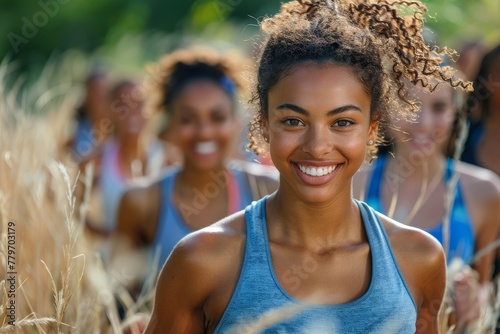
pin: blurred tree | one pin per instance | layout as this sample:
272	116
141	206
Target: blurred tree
32	30
457	20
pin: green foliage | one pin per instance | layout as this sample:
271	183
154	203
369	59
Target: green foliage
34	29
459	20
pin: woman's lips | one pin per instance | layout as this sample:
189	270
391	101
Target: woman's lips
316	173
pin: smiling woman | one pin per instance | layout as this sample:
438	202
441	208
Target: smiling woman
316	127
197	90
455	202
310	258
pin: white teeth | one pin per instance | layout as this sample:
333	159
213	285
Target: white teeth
207	147
317	171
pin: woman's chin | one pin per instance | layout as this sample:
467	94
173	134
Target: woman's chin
206	162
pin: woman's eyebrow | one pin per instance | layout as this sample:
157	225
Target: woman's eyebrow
302	111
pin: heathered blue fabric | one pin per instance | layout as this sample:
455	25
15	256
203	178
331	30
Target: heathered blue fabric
171	227
386	307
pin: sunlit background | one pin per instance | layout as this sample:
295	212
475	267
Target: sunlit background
48	48
126	34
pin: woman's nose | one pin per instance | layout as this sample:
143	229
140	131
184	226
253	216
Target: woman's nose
205	130
317	141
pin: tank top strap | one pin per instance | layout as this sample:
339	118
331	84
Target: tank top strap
112	185
109	159
373	191
448	172
166	191
255	217
377	239
458	204
384	263
239	193
170	228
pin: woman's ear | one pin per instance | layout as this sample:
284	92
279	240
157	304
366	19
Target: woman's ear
373	131
264	126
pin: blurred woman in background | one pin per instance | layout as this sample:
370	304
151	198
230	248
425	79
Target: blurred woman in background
483	107
131	153
90	132
198	91
422	185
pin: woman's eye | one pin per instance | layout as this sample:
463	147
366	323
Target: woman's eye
186	120
439	109
343	123
292	122
219	118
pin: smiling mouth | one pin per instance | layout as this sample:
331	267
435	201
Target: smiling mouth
317	171
206	147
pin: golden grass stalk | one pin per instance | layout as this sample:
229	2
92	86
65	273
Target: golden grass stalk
60	285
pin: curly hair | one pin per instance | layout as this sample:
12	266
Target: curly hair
180	68
380	41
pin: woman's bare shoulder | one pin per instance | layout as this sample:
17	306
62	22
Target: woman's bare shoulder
410	241
202	270
420	258
482	182
210	250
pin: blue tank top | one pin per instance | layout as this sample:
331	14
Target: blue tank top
461	237
171	226
386	307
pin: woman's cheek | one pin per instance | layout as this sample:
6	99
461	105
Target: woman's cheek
443	128
185	133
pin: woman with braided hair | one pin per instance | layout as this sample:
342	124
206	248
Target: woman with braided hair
310	258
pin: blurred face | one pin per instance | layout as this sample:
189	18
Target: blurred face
318	128
127	111
96	99
203	124
434	124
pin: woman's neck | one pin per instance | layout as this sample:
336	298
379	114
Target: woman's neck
314	226
132	152
192	178
132	146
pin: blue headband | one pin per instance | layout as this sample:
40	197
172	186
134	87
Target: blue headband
228	84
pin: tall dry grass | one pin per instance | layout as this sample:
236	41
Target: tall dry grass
61	286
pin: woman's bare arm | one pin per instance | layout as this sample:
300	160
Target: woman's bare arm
198	279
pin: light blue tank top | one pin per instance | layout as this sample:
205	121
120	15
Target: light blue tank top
386	307
171	226
113	184
461	231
